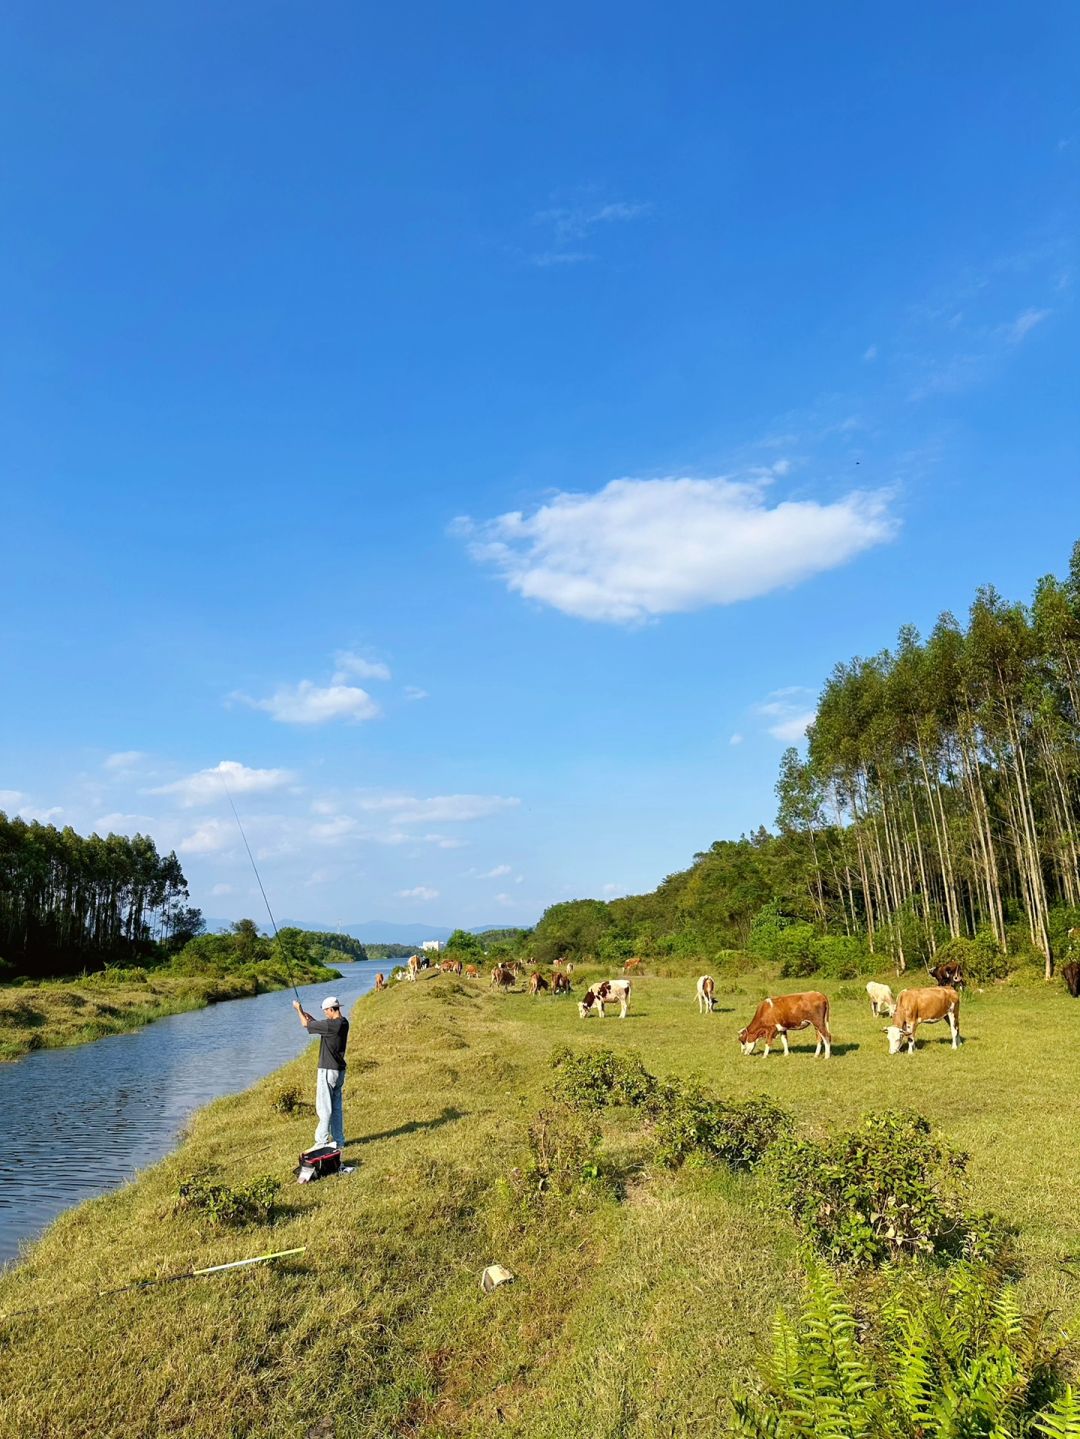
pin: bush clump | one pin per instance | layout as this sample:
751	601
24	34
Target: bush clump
288	1100
961	1359
600	1078
230	1205
980	958
882	1191
562	1163
692	1126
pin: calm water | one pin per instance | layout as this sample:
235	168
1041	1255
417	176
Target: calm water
81	1121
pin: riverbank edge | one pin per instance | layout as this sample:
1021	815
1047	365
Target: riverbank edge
59	1014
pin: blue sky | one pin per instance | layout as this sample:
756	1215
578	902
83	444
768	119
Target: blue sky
482	430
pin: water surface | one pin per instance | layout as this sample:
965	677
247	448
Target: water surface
80	1121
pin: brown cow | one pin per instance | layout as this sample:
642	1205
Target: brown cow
560	984
948	976
502	977
706	992
784	1012
631	965
923	1006
447	966
380	981
537	982
414	965
471	972
1070	973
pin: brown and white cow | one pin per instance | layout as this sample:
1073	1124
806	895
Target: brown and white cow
631	966
610	991
560	984
923	1006
537	982
471	972
782	1013
414	965
380	981
948	976
706	991
502	977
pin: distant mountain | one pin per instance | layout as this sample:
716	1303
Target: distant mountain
371	931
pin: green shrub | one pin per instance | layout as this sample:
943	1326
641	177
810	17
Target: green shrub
925	1365
885	1189
981	958
230	1205
692	1126
841	956
562	1163
600	1078
288	1100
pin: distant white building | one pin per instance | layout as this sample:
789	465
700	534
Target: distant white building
433	945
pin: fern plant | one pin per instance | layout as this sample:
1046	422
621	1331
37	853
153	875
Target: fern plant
961	1361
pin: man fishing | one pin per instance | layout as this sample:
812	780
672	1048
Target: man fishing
333	1032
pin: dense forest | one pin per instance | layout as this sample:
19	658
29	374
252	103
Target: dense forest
938	803
69	903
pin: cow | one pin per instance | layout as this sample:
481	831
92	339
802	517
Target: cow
881	999
782	1013
1070	973
606	993
923	1006
502	977
471	972
447	966
631	965
537	982
706	989
560	984
380	981
414	965
948	976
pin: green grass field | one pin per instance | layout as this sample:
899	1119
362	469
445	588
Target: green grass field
632	1317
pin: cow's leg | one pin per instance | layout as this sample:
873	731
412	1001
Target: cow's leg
623	1008
783	1041
955	1028
599	1007
765	1050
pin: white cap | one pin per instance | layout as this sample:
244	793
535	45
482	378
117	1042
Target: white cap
331	1002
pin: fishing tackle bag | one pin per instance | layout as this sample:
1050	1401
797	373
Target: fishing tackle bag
318	1163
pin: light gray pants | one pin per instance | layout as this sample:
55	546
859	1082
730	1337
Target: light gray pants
331	1126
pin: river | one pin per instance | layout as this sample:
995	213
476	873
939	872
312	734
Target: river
83	1120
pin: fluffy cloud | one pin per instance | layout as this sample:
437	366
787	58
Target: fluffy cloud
310	704
210	837
641	548
11	799
358	667
420	891
208	786
439	809
496	873
789	711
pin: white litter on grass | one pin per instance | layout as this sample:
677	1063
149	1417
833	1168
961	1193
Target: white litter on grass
493	1276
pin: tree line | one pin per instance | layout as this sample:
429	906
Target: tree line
69	902
938	802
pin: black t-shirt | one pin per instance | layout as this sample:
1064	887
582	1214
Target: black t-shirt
334	1037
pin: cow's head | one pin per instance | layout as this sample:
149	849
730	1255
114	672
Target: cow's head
896	1038
746	1045
586	1004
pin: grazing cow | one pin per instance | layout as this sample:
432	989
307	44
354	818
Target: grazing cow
537	982
923	1006
502	977
631	965
881	999
706	989
569	966
447	966
560	984
784	1012
606	993
471	972
1070	973
414	965
948	976
380	981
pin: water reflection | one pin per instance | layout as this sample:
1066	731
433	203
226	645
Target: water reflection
79	1122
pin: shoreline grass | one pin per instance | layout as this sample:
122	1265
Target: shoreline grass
53	1014
633	1312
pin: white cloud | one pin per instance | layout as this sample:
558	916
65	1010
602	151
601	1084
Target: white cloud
496	873
504	899
11	799
208	786
421	891
1024	324
641	548
735	739
789	711
414	692
439	809
124	760
120	823
349	663
571	225
210	837
870	354
610	890
42	816
340	827
309	704
220	890
445	841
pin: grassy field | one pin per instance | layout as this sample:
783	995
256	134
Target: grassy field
630	1316
61	1012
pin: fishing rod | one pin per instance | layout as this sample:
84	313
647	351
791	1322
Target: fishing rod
258	879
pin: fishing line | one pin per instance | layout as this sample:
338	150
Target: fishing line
262	891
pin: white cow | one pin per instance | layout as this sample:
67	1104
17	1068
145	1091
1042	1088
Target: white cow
881	999
706	990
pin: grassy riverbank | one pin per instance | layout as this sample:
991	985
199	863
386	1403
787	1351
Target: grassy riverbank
55	1013
634	1310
